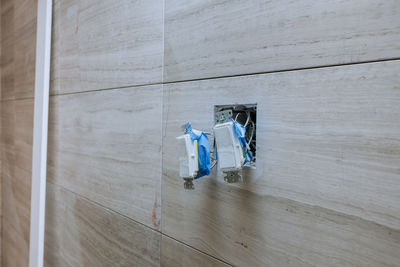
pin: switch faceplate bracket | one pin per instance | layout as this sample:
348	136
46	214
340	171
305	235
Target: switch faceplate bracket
223	115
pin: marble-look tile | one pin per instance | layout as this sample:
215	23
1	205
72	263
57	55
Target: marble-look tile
7	20
64	48
81	233
106	146
16	155
176	254
7	69
18	49
15	249
18	36
17	132
107	44
25	13
325	137
24	62
18	64
16	14
17	203
214	38
247	229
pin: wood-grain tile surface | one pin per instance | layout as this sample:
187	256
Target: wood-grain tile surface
16	143
214	38
106	146
81	233
18	49
106	44
328	138
176	254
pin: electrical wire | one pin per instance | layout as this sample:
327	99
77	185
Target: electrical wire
248	118
214	163
253	127
237	115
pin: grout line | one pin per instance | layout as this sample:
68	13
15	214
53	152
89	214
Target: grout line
232	76
17	99
286	70
212	78
162	127
102	206
135	221
106	89
194	248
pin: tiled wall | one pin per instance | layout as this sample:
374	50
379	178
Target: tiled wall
105	142
1	153
18	42
126	74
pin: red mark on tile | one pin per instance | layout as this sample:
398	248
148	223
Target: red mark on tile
156	222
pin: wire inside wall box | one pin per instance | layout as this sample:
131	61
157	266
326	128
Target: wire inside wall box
234	145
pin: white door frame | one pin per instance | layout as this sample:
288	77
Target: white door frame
39	153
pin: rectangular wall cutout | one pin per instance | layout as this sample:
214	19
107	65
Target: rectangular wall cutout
246	115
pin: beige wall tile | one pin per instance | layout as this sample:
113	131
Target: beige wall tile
175	254
18	38
17	14
106	44
18	50
208	38
7	69
247	229
16	142
81	233
24	62
106	146
326	137
7	20
17	132
25	13
16	202
64	47
15	249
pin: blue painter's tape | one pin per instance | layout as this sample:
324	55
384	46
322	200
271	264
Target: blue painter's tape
240	132
203	151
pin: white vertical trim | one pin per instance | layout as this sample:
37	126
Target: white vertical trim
39	154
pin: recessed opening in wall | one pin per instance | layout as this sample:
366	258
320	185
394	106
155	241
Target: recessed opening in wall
246	115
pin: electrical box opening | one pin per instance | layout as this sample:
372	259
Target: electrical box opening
246	115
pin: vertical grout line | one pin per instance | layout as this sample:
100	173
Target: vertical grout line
1	154
162	129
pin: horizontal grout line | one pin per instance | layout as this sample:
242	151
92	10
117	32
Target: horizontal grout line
17	99
106	89
133	220
286	70
234	75
194	248
101	205
325	209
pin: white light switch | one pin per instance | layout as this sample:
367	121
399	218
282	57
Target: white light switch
230	153
188	162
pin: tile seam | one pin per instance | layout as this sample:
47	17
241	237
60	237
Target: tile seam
232	76
135	221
